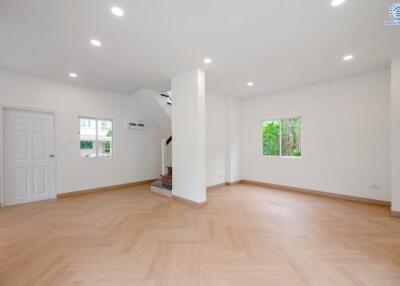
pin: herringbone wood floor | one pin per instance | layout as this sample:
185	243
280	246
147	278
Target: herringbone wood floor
245	236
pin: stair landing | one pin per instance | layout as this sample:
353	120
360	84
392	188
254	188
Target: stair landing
159	188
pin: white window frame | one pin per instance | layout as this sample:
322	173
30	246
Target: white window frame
280	139
96	119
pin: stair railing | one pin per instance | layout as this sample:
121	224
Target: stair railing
165	154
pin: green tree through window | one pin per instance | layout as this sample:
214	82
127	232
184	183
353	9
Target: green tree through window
107	145
85	145
271	137
282	137
291	129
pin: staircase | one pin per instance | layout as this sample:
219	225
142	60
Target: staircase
166	180
163	186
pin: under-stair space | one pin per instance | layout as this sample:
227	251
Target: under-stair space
163	186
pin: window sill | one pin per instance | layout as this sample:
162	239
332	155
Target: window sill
97	158
282	157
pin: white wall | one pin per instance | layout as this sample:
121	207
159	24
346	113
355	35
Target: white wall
216	138
345	137
155	106
233	142
222	138
354	108
136	153
395	134
188	131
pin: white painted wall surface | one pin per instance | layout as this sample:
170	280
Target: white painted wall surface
216	138
2	194
395	134
348	108
233	141
136	152
222	138
154	105
345	137
188	131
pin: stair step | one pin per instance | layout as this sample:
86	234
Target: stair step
159	188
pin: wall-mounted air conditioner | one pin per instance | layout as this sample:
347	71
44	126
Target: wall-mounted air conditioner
136	125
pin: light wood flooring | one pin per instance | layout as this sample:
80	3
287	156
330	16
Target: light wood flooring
245	236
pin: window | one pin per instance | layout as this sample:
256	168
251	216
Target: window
282	137
96	136
85	145
84	122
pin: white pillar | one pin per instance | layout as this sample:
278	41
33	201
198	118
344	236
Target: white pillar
395	135
232	156
188	133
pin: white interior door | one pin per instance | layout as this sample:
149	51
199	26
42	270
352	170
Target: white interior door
28	156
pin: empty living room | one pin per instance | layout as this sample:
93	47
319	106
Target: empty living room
199	143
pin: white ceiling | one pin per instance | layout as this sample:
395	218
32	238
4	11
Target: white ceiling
277	44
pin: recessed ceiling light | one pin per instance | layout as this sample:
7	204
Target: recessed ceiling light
250	83
73	75
95	43
117	11
335	3
348	58
207	61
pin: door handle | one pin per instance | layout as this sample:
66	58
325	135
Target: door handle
52	156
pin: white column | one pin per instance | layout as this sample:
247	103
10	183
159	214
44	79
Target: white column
395	134
232	156
188	133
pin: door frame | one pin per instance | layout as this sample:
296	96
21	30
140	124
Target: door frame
2	140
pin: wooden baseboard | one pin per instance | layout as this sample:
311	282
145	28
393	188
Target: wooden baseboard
319	193
224	184
216	186
189	202
395	214
102	189
267	185
234	183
